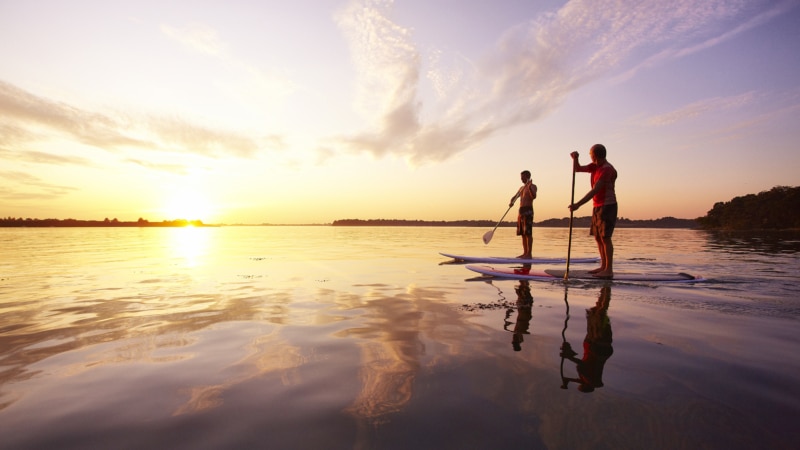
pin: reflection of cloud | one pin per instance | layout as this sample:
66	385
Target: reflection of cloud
390	357
106	332
26	118
392	338
533	68
268	355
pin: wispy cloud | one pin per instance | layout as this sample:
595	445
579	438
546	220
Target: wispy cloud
387	65
178	169
705	106
177	135
199	37
15	185
204	39
679	51
43	158
765	110
32	118
531	70
26	119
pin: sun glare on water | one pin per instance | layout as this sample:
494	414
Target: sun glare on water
190	244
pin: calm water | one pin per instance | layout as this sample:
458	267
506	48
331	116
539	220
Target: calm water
358	338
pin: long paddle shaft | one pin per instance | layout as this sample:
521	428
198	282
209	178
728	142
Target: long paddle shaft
571	214
488	236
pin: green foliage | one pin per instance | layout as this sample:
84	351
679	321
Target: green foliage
776	209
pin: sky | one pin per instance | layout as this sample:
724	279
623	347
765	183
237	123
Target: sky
311	111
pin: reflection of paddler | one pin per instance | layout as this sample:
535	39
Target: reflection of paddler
525	269
596	346
524	313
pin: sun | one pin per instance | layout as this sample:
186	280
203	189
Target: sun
188	204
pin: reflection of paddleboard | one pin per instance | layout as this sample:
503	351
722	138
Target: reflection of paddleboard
521	273
506	260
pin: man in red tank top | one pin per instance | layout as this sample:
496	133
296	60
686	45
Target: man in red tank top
604	199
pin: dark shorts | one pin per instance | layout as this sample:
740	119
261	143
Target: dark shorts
525	221
604	219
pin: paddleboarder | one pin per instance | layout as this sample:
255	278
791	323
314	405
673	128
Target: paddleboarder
525	194
604	199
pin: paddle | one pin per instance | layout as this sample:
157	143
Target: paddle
488	236
571	215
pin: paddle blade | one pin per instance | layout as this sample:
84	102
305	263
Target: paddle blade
488	236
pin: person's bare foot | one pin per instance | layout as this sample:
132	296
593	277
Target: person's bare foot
525	256
594	271
605	275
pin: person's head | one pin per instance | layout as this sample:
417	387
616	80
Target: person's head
525	175
598	152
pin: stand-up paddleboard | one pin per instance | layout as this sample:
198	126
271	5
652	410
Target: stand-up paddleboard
507	260
523	273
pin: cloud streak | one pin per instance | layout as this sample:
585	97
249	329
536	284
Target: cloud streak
677	52
530	72
204	39
199	37
29	187
706	106
27	119
43	158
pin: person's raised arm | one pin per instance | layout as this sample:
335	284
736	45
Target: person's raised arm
576	165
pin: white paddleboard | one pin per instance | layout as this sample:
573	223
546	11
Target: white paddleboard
507	260
524	273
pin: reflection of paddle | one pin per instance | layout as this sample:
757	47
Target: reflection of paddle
488	236
571	214
565	347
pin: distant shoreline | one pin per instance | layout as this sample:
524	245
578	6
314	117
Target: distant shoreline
75	223
579	222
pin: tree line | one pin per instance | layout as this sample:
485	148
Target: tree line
776	209
28	222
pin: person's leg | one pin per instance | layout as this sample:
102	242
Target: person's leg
607	256
601	251
525	230
606	230
527	245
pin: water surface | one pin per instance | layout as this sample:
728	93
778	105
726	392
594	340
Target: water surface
364	337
